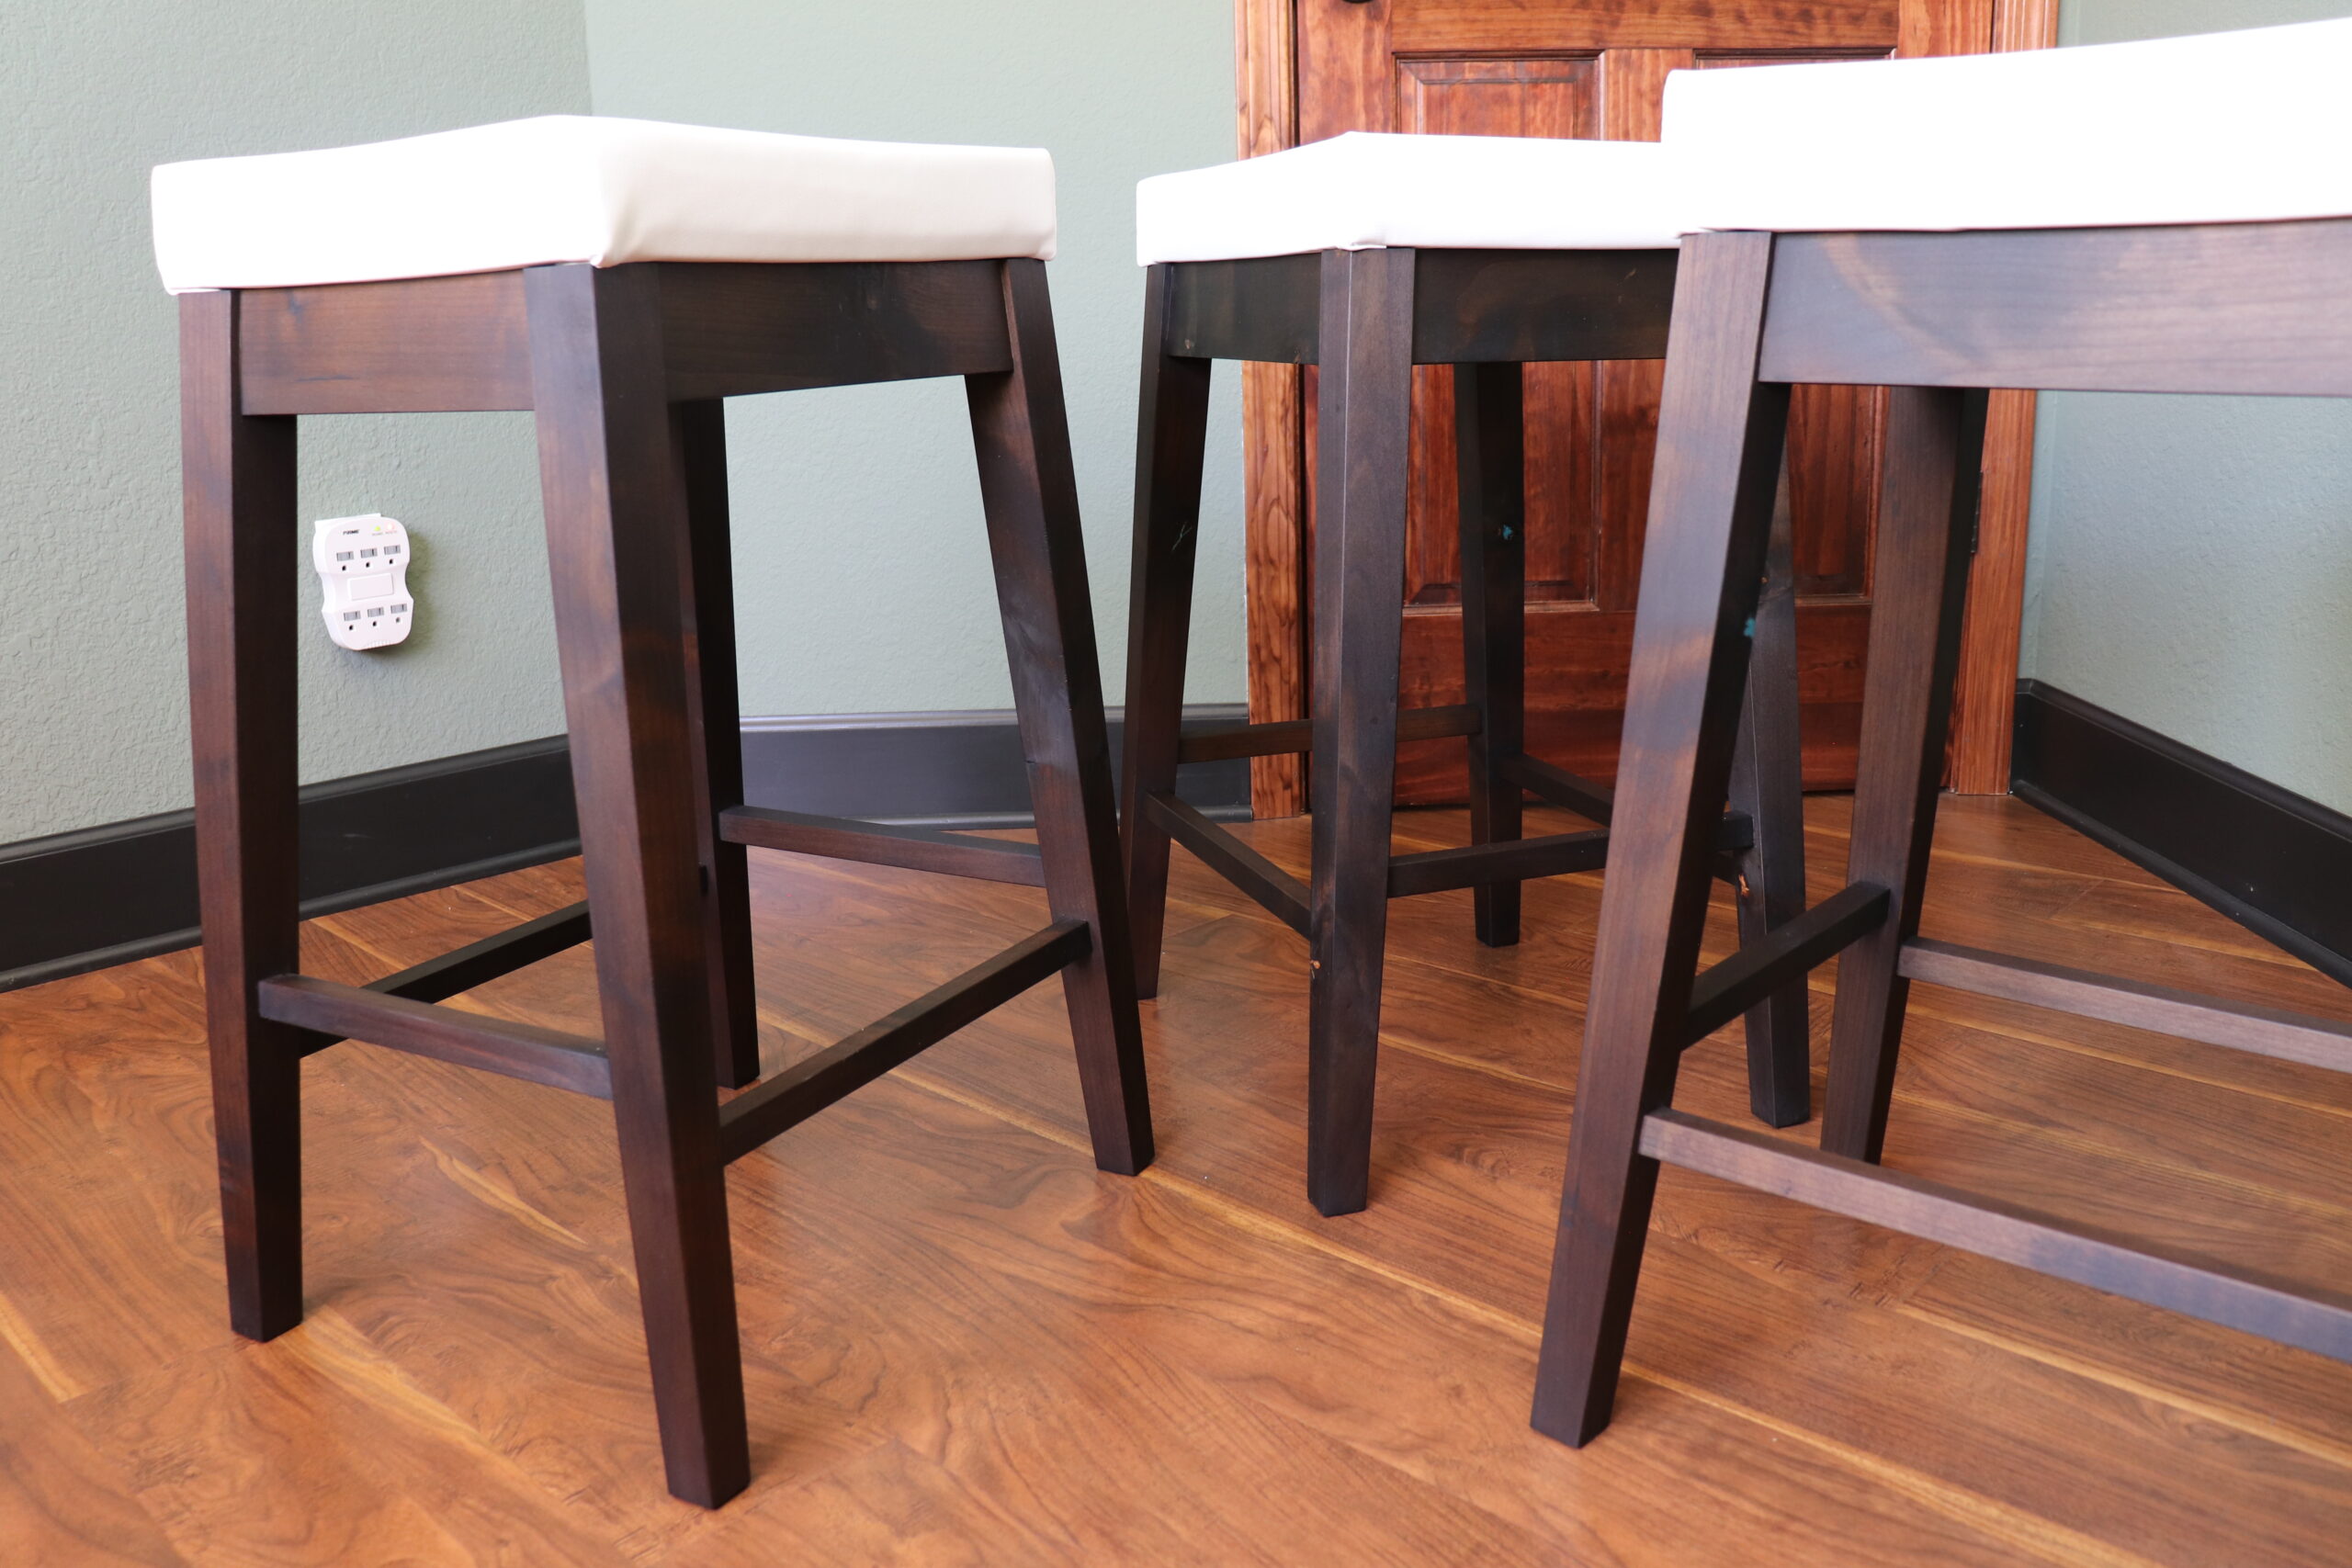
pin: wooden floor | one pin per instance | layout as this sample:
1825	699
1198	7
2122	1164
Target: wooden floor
965	1346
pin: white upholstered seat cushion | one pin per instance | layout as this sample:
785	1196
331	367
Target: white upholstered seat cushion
583	188
1366	190
2220	128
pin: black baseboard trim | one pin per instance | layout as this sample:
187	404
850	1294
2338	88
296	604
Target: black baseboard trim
938	770
2273	861
108	895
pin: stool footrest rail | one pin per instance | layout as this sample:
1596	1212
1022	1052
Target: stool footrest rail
2182	1281
793	1096
2265	1032
1558	786
1512	859
883	843
437	979
1221	741
423	1029
1282	895
1787	952
476	964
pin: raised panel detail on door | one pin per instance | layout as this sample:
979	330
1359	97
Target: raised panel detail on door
1548	96
1311	69
1590	68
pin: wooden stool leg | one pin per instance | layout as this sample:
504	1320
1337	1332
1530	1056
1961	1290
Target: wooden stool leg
616	518
1767	783
1365	417
238	480
1172	428
714	718
1029	493
1711	505
1926	522
1489	435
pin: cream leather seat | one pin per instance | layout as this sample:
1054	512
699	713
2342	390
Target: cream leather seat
2219	128
583	188
1366	191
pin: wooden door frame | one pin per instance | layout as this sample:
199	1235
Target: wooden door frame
1265	61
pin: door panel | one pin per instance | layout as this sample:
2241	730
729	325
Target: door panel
1550	97
1596	68
1532	25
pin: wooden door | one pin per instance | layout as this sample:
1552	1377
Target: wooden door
1567	68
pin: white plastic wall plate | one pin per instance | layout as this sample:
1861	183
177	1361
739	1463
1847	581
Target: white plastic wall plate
362	574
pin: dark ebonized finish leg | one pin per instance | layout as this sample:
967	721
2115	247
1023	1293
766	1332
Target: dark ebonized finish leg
1926	511
699	440
1366	394
1488	421
237	473
1721	434
1172	428
616	518
1767	783
1030	492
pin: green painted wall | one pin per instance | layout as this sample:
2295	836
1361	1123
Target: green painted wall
92	671
2187	566
861	572
2190	566
864	574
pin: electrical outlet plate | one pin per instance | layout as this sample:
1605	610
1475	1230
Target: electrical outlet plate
363	576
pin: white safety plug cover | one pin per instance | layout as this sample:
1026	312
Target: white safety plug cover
363	573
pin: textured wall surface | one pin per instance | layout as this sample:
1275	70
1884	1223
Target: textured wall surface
862	571
2191	564
92	669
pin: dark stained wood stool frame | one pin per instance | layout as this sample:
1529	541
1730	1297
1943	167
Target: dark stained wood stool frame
2263	308
625	369
1367	318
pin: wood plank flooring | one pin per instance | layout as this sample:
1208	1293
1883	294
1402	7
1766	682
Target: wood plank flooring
965	1346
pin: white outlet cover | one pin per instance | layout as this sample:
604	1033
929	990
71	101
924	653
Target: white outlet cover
362	564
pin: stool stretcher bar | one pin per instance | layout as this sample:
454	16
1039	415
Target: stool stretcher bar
1426	871
790	1098
423	1029
1512	859
879	843
1217	743
1730	989
1282	895
436	979
1558	786
2265	1032
2180	1281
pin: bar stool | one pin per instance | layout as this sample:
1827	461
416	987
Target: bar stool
620	279
1368	255
2155	255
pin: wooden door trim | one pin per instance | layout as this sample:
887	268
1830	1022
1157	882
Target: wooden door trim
1273	415
1985	696
1274	476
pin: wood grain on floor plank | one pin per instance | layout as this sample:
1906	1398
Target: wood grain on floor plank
966	1346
